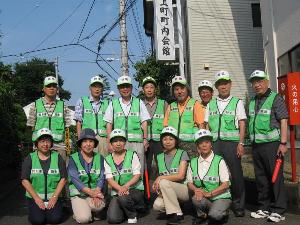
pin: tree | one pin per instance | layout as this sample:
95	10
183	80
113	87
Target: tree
161	72
106	86
29	80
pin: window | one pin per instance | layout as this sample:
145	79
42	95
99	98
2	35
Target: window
284	65
256	17
295	58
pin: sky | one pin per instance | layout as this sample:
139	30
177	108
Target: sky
36	24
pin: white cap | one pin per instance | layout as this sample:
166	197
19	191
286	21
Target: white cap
96	79
124	80
179	80
258	74
170	130
202	133
205	83
50	80
148	80
117	133
222	75
42	132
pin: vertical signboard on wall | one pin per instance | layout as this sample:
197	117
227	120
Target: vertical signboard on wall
164	30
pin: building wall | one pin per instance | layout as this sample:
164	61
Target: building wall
220	33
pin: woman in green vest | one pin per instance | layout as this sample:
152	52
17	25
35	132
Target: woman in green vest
43	176
172	166
86	175
123	174
208	179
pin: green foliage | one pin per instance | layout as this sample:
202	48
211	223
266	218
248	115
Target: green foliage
161	72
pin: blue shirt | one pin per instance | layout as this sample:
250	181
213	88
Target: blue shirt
73	172
79	108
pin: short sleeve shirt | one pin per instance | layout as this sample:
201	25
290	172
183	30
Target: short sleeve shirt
169	159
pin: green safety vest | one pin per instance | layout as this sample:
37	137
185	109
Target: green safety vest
184	123
155	125
211	180
44	184
94	120
131	123
222	125
174	168
88	179
55	122
125	174
259	123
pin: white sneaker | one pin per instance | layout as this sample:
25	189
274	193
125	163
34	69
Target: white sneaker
275	217
133	220
259	214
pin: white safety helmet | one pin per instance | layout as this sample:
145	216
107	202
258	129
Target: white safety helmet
205	83
44	132
117	133
96	79
124	80
169	130
258	74
222	75
50	80
179	80
201	134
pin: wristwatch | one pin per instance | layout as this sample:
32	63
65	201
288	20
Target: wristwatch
283	143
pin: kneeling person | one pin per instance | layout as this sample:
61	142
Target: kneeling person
86	174
123	174
208	178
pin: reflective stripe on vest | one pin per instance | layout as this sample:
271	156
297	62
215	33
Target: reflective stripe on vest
131	123
124	175
222	125
55	122
93	120
211	180
174	168
184	123
260	122
44	184
155	125
88	179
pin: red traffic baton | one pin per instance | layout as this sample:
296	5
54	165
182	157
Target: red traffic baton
147	183
278	164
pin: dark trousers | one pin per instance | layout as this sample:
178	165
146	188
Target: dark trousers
228	149
271	197
37	216
121	207
154	149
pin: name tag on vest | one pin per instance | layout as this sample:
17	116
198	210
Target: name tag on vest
196	178
42	114
173	170
82	172
119	114
53	171
174	109
133	114
158	116
57	114
36	171
95	171
115	173
188	108
211	179
88	111
264	111
213	113
226	112
124	171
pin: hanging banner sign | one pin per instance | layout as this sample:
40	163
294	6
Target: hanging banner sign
164	30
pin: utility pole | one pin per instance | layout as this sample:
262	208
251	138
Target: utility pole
123	40
56	75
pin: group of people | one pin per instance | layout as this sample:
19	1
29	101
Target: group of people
197	147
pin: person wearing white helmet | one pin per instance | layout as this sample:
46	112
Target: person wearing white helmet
44	176
89	112
206	91
208	179
131	115
226	118
123	174
172	165
52	113
268	117
185	114
156	108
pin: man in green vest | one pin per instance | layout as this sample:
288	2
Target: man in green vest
52	113
89	112
268	118
185	114
208	179
226	118
130	114
156	108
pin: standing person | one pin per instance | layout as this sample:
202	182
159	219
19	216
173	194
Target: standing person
89	112
206	91
156	109
185	114
43	176
86	173
268	118
208	179
226	118
123	174
49	112
131	115
172	166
